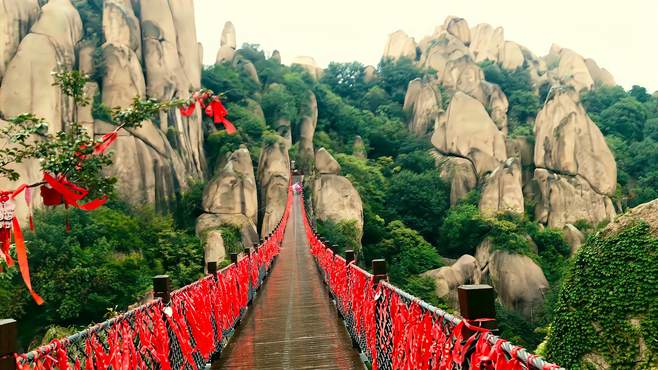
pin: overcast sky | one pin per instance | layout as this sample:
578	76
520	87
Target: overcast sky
621	36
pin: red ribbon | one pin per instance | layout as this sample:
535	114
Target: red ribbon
21	251
70	193
106	141
187	110
218	112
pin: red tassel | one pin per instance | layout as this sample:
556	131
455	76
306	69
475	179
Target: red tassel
188	110
218	112
69	193
106	141
21	253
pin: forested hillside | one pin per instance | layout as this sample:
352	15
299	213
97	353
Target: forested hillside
461	158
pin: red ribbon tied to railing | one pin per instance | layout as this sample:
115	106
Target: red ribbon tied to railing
194	321
398	331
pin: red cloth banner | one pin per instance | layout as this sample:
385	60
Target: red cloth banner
398	331
195	320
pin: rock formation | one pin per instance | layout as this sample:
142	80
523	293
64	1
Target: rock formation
208	229
227	44
423	104
359	148
233	189
458	27
325	164
166	38
369	74
459	173
467	131
486	42
462	74
273	182
566	199
502	190
511	56
334	197
230	198
601	76
16	19
576	173
305	152
247	66
400	45
522	148
574	237
32	54
519	282
276	56
309	64
50	46
151	166
567	67
573	71
440	50
466	270
228	37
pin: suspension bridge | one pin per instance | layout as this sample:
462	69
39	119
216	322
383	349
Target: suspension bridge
287	303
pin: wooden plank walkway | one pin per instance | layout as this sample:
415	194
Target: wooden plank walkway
292	324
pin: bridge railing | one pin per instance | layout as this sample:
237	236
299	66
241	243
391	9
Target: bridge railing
395	330
182	329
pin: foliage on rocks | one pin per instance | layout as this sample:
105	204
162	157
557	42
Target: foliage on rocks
607	310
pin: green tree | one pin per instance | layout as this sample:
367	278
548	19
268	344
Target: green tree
625	118
420	200
463	229
278	103
346	80
418	161
375	98
222	77
105	262
518	87
598	99
394	76
343	234
408	252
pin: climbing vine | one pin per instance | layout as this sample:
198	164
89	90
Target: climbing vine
607	311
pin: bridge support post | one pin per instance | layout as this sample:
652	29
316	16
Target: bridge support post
8	344
476	304
247	252
162	288
234	258
211	267
349	256
379	270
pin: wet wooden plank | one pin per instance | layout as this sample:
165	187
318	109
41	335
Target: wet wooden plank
292	323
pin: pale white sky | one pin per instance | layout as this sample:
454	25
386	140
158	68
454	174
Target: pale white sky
621	36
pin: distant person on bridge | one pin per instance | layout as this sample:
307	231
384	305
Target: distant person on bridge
297	188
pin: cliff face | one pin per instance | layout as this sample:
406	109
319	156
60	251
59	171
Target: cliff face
575	172
565	169
150	50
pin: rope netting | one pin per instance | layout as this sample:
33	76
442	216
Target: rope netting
395	330
183	334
